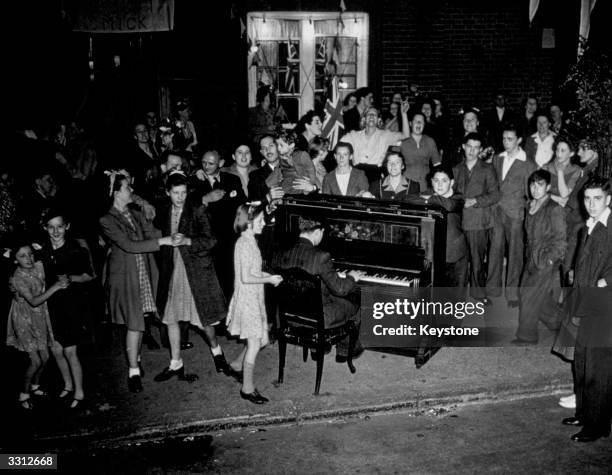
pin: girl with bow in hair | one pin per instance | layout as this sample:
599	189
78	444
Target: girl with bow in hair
28	327
132	272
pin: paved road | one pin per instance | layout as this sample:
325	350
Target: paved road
523	436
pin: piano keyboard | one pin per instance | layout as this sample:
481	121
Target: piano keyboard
385	279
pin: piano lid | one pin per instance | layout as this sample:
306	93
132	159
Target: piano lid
370	232
368	205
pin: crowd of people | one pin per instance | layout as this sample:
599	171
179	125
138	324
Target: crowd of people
183	235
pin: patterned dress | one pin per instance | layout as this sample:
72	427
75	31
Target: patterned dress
246	316
180	305
146	292
28	328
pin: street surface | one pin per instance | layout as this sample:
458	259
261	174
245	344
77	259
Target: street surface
521	436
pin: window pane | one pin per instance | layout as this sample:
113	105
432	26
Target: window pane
288	108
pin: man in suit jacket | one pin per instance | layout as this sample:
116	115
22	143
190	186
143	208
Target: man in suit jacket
591	304
258	189
345	180
546	230
496	120
513	170
477	182
575	211
340	302
222	194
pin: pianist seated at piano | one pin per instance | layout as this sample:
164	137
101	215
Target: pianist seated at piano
441	193
345	180
395	185
341	298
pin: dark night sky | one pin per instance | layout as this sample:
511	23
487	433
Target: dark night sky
47	63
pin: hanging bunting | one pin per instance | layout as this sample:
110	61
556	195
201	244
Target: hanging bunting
91	60
586	7
533	8
332	63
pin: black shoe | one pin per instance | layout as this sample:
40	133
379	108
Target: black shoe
135	384
168	373
571	421
187	345
232	373
587	436
221	364
150	342
513	303
254	397
357	352
521	342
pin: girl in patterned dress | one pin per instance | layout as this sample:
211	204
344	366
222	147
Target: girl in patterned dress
131	269
28	327
247	312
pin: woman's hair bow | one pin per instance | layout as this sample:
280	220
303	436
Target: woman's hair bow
112	174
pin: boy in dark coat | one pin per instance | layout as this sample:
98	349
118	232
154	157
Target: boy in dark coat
590	307
476	181
546	241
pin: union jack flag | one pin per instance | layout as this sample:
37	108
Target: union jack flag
333	118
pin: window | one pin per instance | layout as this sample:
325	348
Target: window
297	54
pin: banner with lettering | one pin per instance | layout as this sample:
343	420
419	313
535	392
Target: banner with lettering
124	16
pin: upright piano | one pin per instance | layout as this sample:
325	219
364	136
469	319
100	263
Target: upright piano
399	247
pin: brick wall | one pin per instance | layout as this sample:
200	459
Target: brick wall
464	50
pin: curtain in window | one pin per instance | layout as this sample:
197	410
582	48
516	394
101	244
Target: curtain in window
274	29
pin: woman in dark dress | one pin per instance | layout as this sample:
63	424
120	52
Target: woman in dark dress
69	308
188	287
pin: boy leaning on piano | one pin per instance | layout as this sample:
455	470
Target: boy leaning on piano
442	194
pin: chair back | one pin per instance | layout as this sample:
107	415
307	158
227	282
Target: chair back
299	297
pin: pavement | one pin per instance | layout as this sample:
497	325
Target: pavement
383	382
518	436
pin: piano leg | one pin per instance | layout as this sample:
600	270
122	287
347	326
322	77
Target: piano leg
282	351
320	361
353	332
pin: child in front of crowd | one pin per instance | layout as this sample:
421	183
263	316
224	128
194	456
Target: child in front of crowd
69	311
246	317
28	326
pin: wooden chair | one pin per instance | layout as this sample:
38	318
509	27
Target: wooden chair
302	323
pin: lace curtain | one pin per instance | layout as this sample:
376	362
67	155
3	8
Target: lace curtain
274	29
